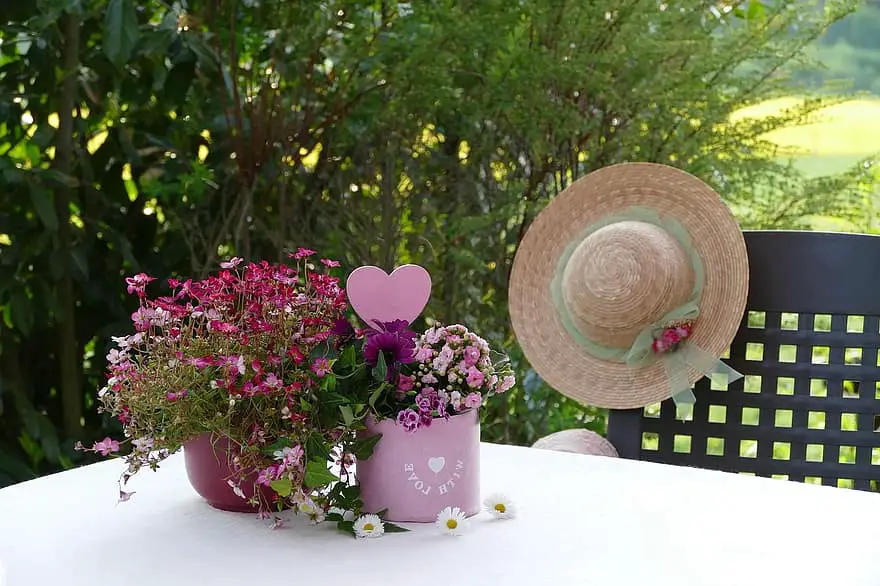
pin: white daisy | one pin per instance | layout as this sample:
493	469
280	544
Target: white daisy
500	506
452	521
369	526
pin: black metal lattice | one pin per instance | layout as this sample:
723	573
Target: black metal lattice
808	407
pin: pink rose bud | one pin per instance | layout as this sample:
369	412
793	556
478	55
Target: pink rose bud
670	337
657	346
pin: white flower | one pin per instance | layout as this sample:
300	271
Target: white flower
369	526
115	356
452	521
312	511
500	506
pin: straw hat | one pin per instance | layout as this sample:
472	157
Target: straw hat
614	263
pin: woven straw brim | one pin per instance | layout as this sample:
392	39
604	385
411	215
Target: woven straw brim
673	193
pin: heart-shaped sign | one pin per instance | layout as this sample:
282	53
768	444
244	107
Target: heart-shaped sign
436	464
377	296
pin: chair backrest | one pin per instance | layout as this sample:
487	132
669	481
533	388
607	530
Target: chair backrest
807	408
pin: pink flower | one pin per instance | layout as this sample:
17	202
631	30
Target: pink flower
138	283
441	362
302	253
474	378
115	356
429	379
455	400
329	263
106	446
273	381
432	336
231	263
670	337
506	384
424	354
452	339
471	355
473	400
175	396
267	475
321	366
658	346
408	419
405	383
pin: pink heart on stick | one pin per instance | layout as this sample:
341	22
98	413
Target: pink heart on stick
377	296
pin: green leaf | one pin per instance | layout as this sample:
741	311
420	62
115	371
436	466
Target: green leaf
392	528
120	31
377	392
347	415
44	208
333	517
277	446
363	447
317	474
282	486
348	358
381	370
20	312
346	526
316	449
329	383
304	405
756	11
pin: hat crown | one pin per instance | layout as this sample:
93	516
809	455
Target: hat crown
622	278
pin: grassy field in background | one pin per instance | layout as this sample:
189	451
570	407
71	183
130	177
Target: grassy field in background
841	135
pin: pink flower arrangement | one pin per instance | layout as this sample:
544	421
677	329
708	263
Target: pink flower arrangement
669	338
237	355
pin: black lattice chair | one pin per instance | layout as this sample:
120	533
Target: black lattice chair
808	408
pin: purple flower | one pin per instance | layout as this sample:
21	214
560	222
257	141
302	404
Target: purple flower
408	419
343	331
395	340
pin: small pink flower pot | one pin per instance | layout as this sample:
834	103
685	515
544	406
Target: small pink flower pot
416	475
207	466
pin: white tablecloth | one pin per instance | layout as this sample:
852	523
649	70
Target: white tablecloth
582	520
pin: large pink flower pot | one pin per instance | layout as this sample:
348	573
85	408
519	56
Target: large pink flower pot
207	466
416	475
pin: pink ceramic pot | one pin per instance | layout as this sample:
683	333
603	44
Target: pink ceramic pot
416	475
207	466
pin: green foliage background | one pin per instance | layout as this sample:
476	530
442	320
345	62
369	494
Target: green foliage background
159	137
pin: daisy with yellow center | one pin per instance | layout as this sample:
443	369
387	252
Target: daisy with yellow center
452	521
369	526
499	506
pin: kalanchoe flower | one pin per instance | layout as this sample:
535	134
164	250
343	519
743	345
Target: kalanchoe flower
408	419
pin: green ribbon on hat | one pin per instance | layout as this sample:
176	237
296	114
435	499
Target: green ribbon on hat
677	360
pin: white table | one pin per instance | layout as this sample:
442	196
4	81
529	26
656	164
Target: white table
582	520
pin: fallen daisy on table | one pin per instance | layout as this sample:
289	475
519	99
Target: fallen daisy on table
452	521
369	526
499	506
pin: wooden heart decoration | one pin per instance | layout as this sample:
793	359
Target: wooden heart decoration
377	296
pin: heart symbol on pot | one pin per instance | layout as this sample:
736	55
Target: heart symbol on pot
437	464
378	297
